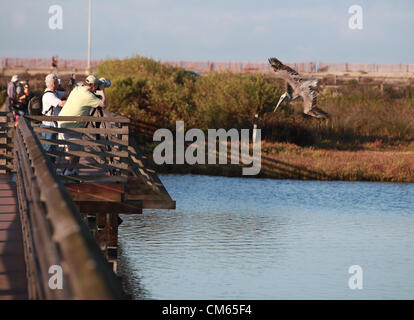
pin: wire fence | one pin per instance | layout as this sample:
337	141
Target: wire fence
206	66
359	67
47	63
238	66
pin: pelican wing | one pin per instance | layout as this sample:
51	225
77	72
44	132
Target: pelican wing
309	99
310	102
286	73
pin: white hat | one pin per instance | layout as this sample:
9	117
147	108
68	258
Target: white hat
15	78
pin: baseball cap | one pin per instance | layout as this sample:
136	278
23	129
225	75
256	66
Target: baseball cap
91	79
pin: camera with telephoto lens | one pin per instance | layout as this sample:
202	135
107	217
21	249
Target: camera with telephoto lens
105	83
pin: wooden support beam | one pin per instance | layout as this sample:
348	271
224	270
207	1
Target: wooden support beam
158	204
125	137
85	142
107	236
92	207
82	130
95	154
95	192
104	166
116	119
100	221
95	179
113	230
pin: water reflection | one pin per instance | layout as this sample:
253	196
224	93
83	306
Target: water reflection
233	238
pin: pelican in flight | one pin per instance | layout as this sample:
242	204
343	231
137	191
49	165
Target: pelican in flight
300	88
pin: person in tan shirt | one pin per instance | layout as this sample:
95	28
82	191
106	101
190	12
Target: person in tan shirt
79	103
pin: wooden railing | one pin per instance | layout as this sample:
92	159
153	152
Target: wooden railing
105	139
53	231
6	146
117	157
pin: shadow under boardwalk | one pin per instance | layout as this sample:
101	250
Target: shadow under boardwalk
13	284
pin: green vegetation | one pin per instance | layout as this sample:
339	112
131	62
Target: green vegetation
368	137
146	90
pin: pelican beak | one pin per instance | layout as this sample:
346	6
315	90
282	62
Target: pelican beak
282	98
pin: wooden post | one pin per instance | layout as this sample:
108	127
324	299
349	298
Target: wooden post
255	121
112	250
107	236
88	71
125	137
100	230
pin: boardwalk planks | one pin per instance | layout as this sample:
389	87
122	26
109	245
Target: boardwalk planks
13	283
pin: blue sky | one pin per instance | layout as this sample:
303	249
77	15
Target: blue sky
215	30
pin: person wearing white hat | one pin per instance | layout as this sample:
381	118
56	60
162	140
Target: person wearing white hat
80	102
11	90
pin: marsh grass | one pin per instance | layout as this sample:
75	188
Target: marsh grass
290	161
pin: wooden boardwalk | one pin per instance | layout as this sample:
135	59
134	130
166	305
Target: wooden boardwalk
47	219
13	283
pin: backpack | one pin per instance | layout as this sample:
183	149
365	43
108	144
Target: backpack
35	107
